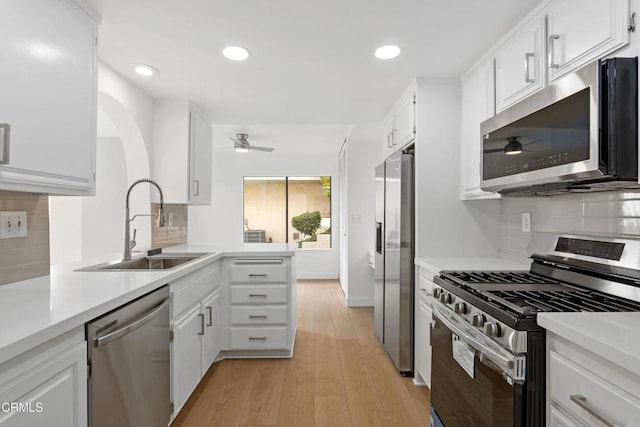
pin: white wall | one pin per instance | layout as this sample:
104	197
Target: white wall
363	152
445	225
221	223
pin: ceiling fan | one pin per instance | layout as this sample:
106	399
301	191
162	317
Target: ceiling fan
513	147
241	144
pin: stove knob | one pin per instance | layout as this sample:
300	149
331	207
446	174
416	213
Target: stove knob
437	292
460	308
445	298
478	320
492	330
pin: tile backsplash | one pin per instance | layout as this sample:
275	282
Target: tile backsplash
175	230
606	214
27	257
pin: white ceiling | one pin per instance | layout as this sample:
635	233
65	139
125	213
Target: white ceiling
312	61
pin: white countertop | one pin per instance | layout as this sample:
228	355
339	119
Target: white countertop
36	310
612	336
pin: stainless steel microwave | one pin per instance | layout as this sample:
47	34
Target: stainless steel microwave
580	133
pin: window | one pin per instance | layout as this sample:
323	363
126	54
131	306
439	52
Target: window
288	210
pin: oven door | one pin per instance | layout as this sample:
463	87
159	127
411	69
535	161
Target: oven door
474	382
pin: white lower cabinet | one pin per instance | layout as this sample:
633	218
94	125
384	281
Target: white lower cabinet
195	326
422	329
46	386
586	390
261	306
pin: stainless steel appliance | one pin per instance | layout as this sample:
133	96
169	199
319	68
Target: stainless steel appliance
128	353
580	133
488	352
394	281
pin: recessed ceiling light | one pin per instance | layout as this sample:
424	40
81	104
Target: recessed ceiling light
387	52
145	70
235	53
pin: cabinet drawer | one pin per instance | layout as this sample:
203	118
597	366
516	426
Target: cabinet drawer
584	394
259	294
190	289
259	315
259	273
258	338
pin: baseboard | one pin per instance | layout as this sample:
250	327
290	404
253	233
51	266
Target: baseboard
359	302
317	276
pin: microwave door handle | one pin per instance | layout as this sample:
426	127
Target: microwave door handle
501	361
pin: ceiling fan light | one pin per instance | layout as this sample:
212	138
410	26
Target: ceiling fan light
512	152
241	149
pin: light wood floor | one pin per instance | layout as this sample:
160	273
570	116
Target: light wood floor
339	376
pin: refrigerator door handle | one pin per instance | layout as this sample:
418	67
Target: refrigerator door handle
379	237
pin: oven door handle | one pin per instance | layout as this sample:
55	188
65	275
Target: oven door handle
510	365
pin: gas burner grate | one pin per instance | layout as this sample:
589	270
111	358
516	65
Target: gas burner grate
529	302
497	277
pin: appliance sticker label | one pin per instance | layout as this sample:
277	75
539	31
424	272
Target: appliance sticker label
463	354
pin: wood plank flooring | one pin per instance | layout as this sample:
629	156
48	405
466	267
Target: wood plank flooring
339	376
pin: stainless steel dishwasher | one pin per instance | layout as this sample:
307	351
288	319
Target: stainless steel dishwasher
129	369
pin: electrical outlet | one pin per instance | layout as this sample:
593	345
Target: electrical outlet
13	224
526	222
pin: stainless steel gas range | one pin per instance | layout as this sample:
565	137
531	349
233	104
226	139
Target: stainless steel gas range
488	360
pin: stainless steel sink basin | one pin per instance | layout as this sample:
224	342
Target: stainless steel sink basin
164	261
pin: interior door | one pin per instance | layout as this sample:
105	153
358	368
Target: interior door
344	214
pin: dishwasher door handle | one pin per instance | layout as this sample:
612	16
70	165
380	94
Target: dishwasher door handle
142	320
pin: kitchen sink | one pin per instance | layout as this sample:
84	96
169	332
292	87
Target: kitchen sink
153	262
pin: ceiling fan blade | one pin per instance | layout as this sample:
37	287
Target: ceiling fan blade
256	148
495	150
532	142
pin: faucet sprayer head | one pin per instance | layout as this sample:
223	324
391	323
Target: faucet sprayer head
161	220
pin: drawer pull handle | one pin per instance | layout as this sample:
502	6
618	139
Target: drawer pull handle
210	313
257	295
257	338
257	275
257	316
581	401
258	261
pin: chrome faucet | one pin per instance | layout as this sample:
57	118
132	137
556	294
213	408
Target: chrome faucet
128	243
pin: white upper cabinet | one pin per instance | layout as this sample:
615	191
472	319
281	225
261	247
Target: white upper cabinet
581	31
478	104
400	125
519	62
182	152
200	140
405	115
49	97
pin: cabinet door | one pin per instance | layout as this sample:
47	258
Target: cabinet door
405	129
389	138
53	392
582	31
211	338
558	419
200	134
520	65
49	96
426	316
186	356
477	105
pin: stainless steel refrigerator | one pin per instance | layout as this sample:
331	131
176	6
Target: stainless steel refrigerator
394	271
